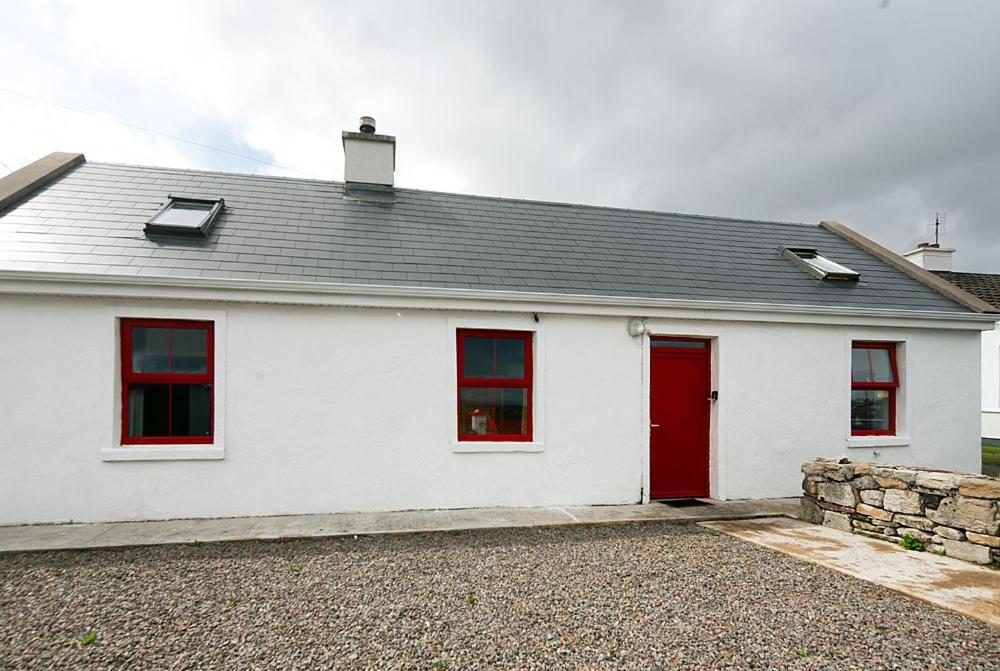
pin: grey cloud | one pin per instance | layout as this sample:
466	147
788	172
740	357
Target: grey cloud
876	117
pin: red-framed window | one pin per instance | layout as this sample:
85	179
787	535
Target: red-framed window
494	385
167	381
874	383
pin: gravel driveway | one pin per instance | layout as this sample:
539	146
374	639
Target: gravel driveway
640	596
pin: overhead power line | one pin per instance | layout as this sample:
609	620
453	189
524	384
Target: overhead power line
150	130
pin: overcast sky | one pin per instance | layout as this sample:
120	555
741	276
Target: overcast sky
874	114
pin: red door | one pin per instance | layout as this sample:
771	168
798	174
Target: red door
679	388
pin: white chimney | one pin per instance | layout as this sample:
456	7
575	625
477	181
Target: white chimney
930	256
369	159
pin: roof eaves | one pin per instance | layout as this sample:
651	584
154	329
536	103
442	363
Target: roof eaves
928	278
381	295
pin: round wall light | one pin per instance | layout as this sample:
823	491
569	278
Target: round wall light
636	327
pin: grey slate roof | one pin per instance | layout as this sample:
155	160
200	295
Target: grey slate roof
90	220
981	285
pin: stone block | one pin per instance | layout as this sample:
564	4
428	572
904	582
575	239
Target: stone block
980	488
975	515
983	539
873	528
889	483
904	475
915	521
902	501
862	469
967	551
864	482
809	511
835	508
840	472
949	533
836	521
872	497
945	483
874	513
839	493
903	532
814	468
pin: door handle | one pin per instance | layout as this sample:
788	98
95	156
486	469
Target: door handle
654	426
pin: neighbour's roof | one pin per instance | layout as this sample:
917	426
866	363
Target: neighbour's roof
981	285
91	219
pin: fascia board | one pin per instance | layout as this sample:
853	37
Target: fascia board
347	295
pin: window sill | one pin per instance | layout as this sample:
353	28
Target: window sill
878	441
498	446
163	453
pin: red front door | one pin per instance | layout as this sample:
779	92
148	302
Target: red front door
679	388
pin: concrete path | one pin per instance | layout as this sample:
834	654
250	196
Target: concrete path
118	534
959	586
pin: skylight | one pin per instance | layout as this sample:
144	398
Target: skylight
820	266
185	216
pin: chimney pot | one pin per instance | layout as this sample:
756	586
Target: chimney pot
367	125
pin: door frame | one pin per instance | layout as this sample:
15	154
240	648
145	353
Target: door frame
713	474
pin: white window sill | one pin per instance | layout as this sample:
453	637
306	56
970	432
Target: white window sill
163	453
499	446
879	441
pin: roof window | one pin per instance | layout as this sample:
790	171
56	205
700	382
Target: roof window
185	216
818	265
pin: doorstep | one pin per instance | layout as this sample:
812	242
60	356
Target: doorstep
33	538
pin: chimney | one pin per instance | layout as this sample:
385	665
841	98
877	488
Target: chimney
930	256
369	163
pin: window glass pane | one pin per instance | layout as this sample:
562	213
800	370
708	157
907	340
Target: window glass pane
192	409
870	409
148	409
150	350
826	265
881	367
860	366
871	364
510	357
493	411
682	344
184	214
478	357
189	350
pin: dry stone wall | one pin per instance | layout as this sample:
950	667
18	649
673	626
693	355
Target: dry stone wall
956	514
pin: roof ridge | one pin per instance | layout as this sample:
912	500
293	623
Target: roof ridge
505	199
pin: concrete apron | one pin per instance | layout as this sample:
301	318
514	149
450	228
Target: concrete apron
31	538
959	586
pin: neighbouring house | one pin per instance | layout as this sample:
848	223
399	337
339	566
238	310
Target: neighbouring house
180	343
931	256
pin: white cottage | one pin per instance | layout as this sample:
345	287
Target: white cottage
178	343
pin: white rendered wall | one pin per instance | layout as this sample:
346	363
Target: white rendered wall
991	383
343	409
